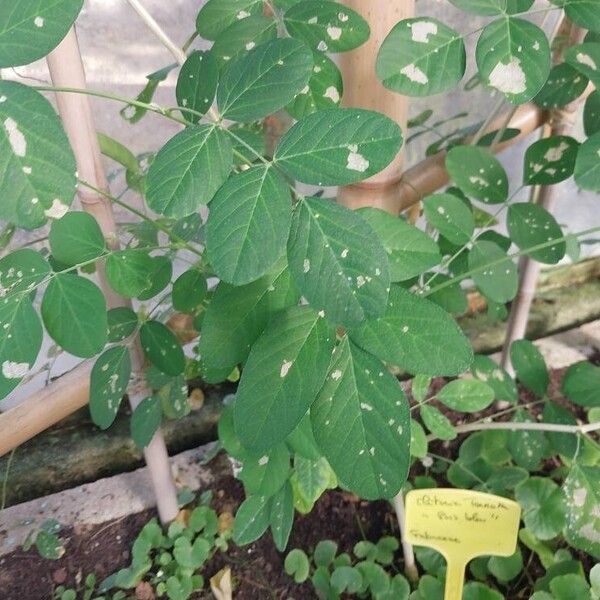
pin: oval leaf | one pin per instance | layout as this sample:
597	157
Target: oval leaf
76	238
493	272
248	225
550	160
361	422
197	84
337	262
466	395
161	347
188	170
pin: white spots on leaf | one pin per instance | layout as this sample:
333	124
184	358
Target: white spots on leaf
305	90
322	46
586	59
313	20
414	74
285	367
372	451
306	265
421	30
356	161
263	460
344	253
336	375
243	14
321	314
555	154
27	170
366	406
476	180
334	33
441	210
377	271
400	430
536	45
317	69
427	461
129	111
112	382
508	78
250	45
405	329
2	99
360	281
343	17
38	22
14	370
332	93
57	210
579	496
15	137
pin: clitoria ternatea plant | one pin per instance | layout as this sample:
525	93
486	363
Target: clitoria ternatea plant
314	302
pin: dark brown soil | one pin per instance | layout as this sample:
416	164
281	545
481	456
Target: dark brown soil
257	569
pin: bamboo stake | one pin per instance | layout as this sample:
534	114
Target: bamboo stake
362	89
66	70
560	123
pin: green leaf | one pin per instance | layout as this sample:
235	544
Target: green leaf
162	348
410	251
466	395
22	271
189	291
486	369
49	545
191	556
529	366
281	517
585	58
543	506
296	565
21	338
108	384
513	56
236	316
527	448
478	174
550	160
188	170
310	480
581	500
324	90
581	384
506	478
37	166
337	262
265	474
584	13
159	277
122	322
76	238
493	7
217	15
264	80
326	26
587	165
562	443
68	304
145	421
346	579
478	591
129	272
437	423
450	216
494	273
361	422
416	335
302	441
564	85
338	146
324	553
248	225
566	587
421	57
197	84
283	374
418	440
251	520
242	36
420	385
30	29
174	398
530	225
178	588
591	114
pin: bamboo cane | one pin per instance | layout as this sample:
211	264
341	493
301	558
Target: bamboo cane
66	70
560	123
362	89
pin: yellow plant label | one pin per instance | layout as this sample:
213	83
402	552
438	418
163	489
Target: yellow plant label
461	524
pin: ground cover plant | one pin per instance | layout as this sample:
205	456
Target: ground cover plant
315	307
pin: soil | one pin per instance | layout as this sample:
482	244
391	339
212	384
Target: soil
257	569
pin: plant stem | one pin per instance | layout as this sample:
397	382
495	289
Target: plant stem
410	567
158	31
522	426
